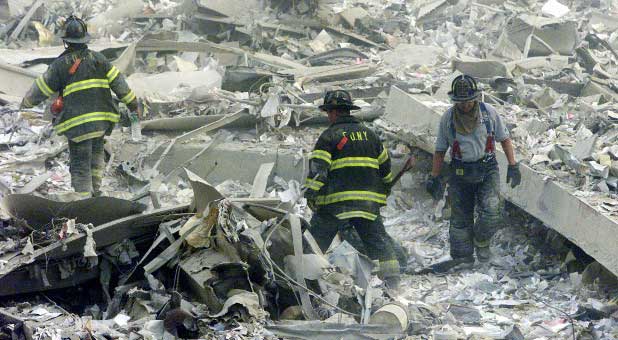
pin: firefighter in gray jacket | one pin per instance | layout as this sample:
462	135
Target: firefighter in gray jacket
471	128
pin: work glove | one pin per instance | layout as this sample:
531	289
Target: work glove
434	187
513	175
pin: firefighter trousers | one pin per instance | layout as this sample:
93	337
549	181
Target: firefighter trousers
483	194
87	162
374	241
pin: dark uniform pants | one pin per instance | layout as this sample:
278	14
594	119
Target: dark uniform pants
87	163
465	195
374	241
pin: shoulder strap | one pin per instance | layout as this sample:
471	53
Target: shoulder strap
486	119
452	124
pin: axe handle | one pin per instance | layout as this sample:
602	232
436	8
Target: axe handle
404	170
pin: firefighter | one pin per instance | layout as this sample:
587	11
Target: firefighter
349	177
84	110
471	128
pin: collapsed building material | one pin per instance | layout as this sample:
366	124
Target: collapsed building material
331	73
267	59
327	58
546	36
308	330
17	80
408	55
172	85
193	122
54	266
25	20
547	200
214	164
39	212
480	68
245	79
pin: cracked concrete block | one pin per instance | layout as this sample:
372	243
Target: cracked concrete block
480	68
245	160
552	35
584	144
351	15
322	42
545	98
598	170
535	126
506	49
407	55
609	22
553	8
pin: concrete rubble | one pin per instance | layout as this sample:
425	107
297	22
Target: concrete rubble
202	232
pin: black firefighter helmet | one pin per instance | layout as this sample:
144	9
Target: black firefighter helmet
338	99
463	89
75	31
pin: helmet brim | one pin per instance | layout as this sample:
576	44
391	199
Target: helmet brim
327	107
85	39
458	99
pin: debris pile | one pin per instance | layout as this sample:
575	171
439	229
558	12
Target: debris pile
230	91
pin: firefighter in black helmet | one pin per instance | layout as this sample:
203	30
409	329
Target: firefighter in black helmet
349	178
471	128
84	110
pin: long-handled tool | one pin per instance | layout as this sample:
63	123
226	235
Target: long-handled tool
410	162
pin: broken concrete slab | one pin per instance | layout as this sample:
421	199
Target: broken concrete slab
552	35
17	81
330	57
24	267
543	198
585	144
408	55
106	21
609	22
525	65
553	8
322	42
229	8
166	45
480	68
214	164
38	211
261	179
315	330
189	123
351	15
331	73
34	183
172	85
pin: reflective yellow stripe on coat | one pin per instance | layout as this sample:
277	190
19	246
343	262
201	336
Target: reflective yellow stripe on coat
86	118
112	74
85	85
383	156
321	154
357	214
129	97
351	196
313	184
367	162
42	85
388	178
